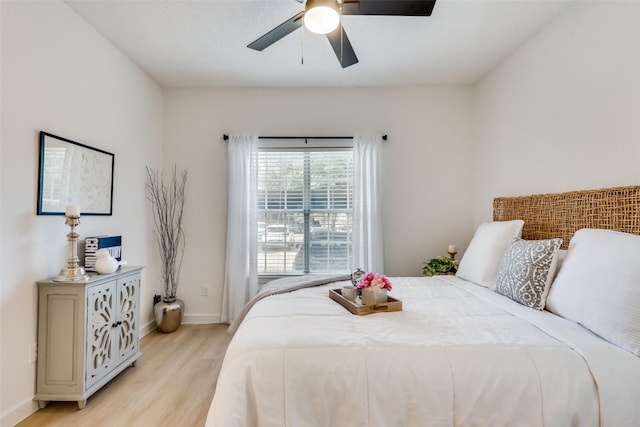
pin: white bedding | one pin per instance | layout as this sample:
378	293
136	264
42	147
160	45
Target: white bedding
458	354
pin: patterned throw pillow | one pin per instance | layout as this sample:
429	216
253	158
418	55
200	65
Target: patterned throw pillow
526	271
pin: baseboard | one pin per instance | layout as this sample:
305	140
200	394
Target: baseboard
147	327
188	319
201	319
18	413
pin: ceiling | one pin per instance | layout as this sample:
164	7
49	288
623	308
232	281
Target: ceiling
203	43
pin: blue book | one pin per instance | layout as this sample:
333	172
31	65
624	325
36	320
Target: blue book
113	244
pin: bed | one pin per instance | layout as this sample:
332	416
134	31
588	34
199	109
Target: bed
463	350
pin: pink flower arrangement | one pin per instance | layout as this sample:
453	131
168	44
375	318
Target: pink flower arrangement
374	281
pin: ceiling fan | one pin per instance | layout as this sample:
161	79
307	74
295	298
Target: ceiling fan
323	17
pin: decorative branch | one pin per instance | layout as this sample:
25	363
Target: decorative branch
168	206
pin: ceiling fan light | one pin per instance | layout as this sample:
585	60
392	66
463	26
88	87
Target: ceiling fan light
321	19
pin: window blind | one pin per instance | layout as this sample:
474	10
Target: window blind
304	210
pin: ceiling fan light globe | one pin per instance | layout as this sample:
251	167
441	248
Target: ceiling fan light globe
321	19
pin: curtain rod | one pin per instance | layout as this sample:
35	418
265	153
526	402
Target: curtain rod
226	137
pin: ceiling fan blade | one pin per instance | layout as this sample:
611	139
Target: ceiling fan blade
342	47
388	7
278	32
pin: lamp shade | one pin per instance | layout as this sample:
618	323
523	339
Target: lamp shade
321	16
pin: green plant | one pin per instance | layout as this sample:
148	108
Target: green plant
440	265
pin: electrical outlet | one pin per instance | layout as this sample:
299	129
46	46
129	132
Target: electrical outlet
205	291
33	353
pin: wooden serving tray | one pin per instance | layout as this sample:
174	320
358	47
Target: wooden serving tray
392	304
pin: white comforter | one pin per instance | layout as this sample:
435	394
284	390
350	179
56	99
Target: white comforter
458	354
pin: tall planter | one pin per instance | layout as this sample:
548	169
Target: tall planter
167	198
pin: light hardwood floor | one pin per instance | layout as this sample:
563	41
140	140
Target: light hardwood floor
172	384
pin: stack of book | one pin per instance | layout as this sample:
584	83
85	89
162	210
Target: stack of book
91	244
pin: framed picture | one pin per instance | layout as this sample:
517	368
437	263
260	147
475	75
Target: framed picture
74	174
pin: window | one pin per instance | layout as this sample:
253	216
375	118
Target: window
304	210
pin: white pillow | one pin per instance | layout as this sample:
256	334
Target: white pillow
481	259
598	286
562	254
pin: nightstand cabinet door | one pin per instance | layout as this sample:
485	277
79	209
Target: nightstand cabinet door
101	328
128	329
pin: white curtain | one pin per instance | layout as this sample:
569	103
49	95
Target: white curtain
241	271
368	251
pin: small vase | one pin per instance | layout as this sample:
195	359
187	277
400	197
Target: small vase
168	314
373	296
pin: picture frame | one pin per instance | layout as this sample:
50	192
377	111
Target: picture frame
71	173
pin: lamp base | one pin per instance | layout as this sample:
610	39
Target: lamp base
76	274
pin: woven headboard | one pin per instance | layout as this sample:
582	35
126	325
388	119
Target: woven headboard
562	214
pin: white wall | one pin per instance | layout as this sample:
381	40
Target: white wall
61	76
561	113
426	166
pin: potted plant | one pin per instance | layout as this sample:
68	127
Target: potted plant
440	265
167	199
